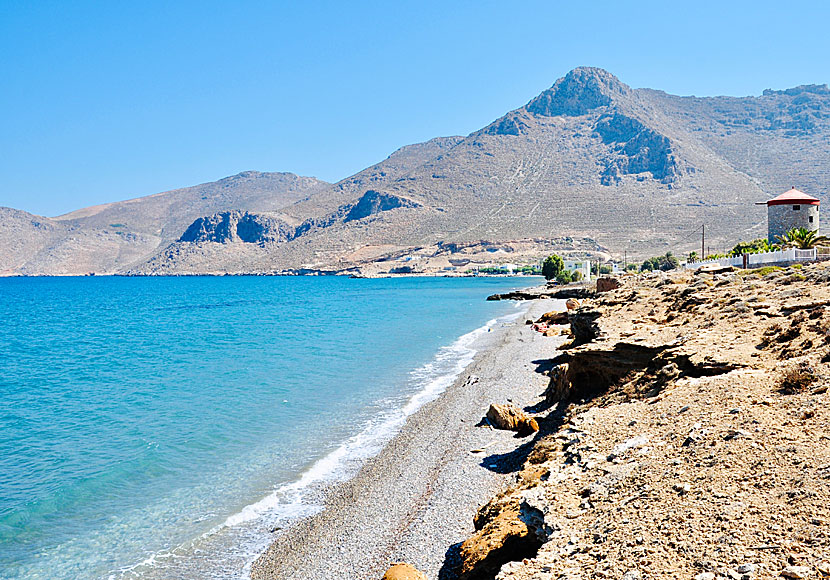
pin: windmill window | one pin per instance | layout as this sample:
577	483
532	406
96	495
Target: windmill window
811	219
796	207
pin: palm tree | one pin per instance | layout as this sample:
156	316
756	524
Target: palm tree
802	239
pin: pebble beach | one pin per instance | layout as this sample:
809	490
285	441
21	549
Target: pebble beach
415	501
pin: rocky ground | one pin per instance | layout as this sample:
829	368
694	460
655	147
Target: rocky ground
687	435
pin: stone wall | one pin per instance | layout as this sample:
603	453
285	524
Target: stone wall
783	218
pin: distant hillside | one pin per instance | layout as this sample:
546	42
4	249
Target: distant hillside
781	138
112	237
635	170
167	214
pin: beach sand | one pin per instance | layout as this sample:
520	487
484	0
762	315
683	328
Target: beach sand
416	499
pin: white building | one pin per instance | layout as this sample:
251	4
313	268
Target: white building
582	266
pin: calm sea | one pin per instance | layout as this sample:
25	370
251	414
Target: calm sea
165	427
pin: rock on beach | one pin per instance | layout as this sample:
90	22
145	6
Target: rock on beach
512	418
403	571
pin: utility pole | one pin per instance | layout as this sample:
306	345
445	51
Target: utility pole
625	260
703	243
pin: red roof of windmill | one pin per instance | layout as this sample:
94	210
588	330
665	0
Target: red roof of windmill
793	196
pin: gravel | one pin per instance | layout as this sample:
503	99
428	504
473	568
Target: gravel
417	498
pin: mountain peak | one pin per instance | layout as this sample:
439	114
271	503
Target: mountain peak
578	92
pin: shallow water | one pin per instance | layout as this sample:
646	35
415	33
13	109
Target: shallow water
162	427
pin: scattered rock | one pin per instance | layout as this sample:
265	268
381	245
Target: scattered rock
747	568
796	572
735	433
634	443
714	269
682	488
403	571
606	284
512	418
553	317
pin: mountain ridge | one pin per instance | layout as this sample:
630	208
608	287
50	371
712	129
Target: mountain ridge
636	170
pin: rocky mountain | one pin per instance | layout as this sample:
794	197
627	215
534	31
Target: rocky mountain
112	237
635	170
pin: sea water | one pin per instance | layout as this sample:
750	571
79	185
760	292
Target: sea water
168	427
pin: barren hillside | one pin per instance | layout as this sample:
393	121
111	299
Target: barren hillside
112	237
635	170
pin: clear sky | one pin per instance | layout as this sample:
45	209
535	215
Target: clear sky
102	101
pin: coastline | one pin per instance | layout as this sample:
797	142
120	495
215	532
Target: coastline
417	497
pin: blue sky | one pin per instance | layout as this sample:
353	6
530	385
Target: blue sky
103	101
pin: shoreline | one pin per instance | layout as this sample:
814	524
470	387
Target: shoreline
271	275
417	497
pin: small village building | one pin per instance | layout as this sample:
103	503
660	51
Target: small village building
581	266
791	209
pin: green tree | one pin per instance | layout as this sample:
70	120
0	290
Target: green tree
576	276
631	267
564	277
552	266
693	257
802	239
605	269
669	262
665	263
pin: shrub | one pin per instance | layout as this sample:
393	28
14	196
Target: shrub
766	270
797	379
564	277
754	247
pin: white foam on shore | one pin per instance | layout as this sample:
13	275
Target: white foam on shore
435	380
291	501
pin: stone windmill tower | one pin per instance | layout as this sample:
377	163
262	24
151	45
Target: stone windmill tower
791	209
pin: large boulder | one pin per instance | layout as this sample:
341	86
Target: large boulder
608	283
585	326
508	530
403	571
512	418
554	317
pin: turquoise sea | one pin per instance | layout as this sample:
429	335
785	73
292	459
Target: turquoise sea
166	427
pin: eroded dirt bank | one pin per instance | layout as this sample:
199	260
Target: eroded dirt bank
686	435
